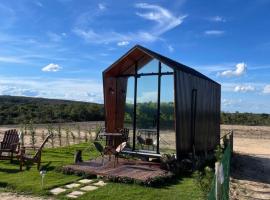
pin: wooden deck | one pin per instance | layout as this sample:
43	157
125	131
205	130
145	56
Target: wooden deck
133	169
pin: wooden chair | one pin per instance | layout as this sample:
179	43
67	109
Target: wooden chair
23	157
10	144
118	150
141	141
125	134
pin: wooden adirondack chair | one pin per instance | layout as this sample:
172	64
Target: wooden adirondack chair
10	144
23	157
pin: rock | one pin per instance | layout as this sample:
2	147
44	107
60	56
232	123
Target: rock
57	191
72	185
85	181
100	183
89	188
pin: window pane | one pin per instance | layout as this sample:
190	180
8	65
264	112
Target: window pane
167	117
146	119
165	68
128	120
150	67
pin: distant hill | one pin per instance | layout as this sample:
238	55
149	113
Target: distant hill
251	119
17	109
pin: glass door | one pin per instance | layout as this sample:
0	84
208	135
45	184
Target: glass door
146	113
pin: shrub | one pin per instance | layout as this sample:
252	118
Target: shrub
203	179
170	163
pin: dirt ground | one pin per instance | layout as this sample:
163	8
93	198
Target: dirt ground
12	196
250	175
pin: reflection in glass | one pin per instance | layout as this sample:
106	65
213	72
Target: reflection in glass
129	105
150	67
146	113
165	68
167	118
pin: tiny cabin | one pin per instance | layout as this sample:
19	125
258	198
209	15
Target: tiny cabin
166	107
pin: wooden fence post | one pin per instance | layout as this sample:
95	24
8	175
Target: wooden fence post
218	184
231	142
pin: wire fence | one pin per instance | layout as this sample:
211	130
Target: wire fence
220	187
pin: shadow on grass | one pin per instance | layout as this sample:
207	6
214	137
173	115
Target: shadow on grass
3	184
48	167
9	167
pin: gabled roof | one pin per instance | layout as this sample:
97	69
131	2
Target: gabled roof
141	53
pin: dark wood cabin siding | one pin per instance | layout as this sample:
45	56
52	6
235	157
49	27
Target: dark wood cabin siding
120	101
207	123
115	102
110	103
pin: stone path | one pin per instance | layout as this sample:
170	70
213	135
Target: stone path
79	188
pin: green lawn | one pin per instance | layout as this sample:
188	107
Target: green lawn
29	181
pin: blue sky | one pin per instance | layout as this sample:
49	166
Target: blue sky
59	48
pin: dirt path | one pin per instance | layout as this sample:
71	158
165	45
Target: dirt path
251	169
13	196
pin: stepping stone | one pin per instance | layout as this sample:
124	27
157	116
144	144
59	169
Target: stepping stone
75	194
72	185
57	191
85	181
72	196
89	188
100	183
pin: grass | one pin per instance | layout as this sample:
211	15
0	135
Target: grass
29	181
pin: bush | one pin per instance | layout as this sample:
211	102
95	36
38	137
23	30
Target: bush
204	179
170	163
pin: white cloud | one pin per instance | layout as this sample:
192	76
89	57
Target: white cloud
100	38
217	19
244	88
266	89
88	90
7	16
214	32
147	97
239	71
163	18
38	3
226	102
101	6
51	68
123	43
54	37
170	47
231	102
12	59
